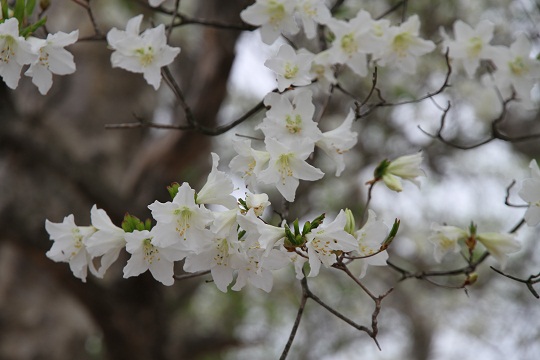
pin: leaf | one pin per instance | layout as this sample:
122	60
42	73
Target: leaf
30	5
29	30
18	12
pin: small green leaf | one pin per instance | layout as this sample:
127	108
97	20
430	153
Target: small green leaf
317	221
132	223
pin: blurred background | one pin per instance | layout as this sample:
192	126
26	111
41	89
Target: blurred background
57	158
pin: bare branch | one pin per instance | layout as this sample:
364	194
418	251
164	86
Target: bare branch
530	281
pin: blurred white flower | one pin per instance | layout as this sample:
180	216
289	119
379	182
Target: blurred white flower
446	239
404	167
470	45
274	17
530	192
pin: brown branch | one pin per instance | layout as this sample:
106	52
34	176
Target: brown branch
425	275
292	335
86	5
530	281
191	275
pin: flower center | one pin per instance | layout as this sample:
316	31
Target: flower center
182	223
146	56
348	44
401	43
8	49
284	166
290	70
518	66
276	12
474	47
294	126
150	252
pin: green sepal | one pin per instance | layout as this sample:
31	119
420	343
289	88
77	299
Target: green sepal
472	228
296	227
29	30
132	223
173	189
393	232
380	170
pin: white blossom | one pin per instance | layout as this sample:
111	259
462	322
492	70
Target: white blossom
146	255
274	17
290	67
335	143
69	246
530	192
15	52
52	59
146	53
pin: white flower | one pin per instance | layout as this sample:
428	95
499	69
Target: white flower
499	245
323	242
516	69
107	241
370	237
69	246
335	143
470	45
404	46
530	192
275	17
249	162
146	53
254	268
181	224
312	12
15	52
218	188
290	68
322	68
404	167
257	202
145	255
215	252
53	59
353	40
446	239
287	165
258	232
290	122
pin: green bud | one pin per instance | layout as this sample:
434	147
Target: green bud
132	223
380	170
350	225
173	189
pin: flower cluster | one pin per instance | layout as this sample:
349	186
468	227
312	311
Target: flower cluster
515	70
233	245
45	56
290	136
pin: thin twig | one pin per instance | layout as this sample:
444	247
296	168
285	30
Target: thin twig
530	281
299	314
189	276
